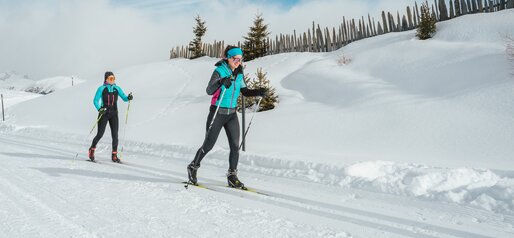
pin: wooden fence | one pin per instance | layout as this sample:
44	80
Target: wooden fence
318	39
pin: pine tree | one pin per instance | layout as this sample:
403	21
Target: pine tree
255	44
269	101
195	46
426	28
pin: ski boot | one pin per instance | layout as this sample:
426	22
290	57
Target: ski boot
233	181
91	154
115	158
191	173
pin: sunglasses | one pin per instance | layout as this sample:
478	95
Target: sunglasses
237	60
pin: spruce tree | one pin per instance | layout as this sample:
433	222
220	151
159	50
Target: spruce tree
269	101
255	44
426	28
195	46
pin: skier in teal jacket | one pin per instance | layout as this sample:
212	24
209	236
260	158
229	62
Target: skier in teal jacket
227	82
106	102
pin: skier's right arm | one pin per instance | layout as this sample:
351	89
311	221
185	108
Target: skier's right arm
214	83
97	101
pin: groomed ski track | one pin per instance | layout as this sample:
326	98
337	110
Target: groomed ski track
46	192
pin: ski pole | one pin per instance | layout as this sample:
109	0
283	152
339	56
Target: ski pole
215	113
250	123
125	128
92	129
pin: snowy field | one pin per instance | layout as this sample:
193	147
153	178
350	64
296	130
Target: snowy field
409	139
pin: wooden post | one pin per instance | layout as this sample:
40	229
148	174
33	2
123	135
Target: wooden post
399	22
502	5
374	27
380	31
437	16
510	4
452	12
409	18
464	7
384	21
370	26
405	24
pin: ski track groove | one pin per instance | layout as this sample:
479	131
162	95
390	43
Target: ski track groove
464	212
378	221
36	210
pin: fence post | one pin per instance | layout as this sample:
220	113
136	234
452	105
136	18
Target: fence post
3	117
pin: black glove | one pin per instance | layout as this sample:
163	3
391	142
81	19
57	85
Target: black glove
102	110
262	92
226	81
130	97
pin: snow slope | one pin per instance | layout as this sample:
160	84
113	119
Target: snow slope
16	88
408	130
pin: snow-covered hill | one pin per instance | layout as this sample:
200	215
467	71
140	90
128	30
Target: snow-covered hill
17	88
422	124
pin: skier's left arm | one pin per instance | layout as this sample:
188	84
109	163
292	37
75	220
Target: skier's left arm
261	92
122	94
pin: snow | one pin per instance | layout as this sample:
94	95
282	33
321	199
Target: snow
408	139
16	88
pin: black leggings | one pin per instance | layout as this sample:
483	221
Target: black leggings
112	118
231	124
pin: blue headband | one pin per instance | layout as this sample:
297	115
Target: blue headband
233	52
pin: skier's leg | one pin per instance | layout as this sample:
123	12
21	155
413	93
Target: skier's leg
210	138
101	129
114	124
233	131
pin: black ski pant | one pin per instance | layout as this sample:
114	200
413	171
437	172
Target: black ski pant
231	124
112	118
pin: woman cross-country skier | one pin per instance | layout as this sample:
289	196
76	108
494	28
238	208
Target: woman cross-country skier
225	85
105	101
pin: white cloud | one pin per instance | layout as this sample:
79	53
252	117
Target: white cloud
65	37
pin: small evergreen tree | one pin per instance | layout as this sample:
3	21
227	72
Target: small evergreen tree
426	28
269	101
255	44
195	46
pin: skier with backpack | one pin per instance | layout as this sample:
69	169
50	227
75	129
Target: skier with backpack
225	85
105	101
